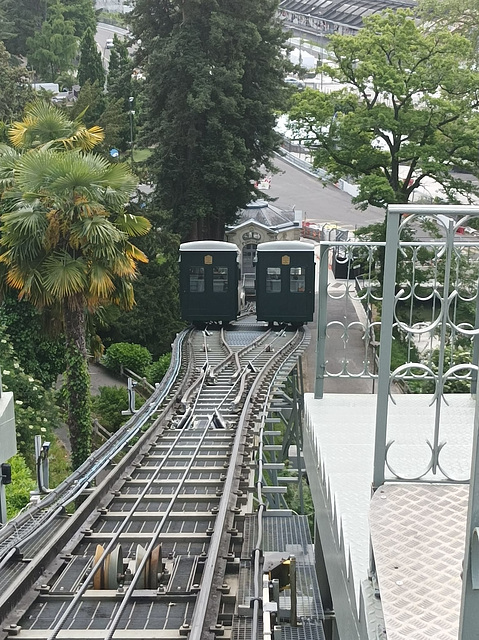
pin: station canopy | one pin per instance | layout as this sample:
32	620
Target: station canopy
349	14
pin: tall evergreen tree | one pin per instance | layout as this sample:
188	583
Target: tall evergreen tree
120	88
25	18
15	89
90	67
120	68
215	74
52	49
82	14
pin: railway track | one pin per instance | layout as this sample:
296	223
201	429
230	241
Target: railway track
154	549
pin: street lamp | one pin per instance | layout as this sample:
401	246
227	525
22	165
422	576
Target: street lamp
132	113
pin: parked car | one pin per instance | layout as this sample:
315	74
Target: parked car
299	84
109	43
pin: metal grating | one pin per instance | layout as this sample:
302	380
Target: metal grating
309	630
291	534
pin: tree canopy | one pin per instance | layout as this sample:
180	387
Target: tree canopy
52	48
91	66
65	241
407	110
15	89
215	74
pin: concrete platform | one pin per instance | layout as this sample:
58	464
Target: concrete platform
417	527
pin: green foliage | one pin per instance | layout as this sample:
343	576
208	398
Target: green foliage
66	239
53	47
24	19
124	354
91	66
113	17
293	501
155	319
82	14
15	89
157	370
214	83
107	407
18	493
35	409
59	460
410	101
36	339
77	395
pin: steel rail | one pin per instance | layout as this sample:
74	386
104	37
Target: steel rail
72	487
257	551
214	562
155	534
209	571
58	627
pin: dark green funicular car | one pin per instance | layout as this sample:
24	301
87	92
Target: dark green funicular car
285	273
209	281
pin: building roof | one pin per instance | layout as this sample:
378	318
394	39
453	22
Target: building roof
266	214
350	13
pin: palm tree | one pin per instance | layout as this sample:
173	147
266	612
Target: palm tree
65	244
44	124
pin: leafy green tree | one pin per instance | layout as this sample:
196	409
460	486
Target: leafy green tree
36	339
7	26
95	106
91	66
409	111
155	319
460	16
65	244
35	409
120	68
215	74
82	14
53	47
120	88
156	371
24	18
15	89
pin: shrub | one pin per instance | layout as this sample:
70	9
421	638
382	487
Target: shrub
107	407
18	493
157	370
132	356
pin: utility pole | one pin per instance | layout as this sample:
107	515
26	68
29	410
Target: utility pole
132	113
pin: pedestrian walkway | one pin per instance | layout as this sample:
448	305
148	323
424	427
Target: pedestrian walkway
102	377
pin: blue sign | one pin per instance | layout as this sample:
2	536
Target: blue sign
114	153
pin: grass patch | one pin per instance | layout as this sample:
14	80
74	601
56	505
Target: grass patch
140	155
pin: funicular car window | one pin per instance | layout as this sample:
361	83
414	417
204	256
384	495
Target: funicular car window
273	280
197	280
297	280
220	279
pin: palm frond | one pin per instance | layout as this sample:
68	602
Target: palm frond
97	232
124	296
24	222
63	276
45	124
133	225
135	253
101	283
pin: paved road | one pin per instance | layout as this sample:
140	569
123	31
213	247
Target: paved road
318	203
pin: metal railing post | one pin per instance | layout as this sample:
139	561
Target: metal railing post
390	261
322	319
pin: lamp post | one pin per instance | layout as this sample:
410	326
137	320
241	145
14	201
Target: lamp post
132	113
